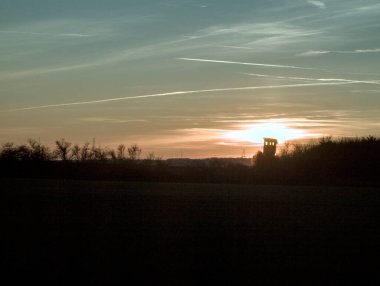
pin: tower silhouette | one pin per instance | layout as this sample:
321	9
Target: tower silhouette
270	147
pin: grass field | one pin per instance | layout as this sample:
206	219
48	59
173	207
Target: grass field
61	232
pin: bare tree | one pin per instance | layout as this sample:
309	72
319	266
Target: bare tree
8	151
11	152
152	157
121	152
112	154
38	151
22	152
99	153
285	151
134	152
75	152
62	149
85	152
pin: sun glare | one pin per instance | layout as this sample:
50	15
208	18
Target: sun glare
254	133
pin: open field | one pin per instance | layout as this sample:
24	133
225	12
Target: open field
105	232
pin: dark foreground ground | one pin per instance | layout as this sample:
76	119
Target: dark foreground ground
65	232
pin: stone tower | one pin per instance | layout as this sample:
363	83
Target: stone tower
270	147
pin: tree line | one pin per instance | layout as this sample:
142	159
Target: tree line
64	150
341	161
326	161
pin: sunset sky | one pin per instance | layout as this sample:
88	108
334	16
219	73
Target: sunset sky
188	77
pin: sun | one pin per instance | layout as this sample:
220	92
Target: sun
254	133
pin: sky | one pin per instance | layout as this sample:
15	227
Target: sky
188	78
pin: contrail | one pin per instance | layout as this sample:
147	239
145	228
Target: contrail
45	34
243	63
177	93
236	47
358	51
315	79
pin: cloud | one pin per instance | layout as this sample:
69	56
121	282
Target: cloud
183	137
314	53
318	4
357	51
236	47
247	36
254	133
257	29
41	71
142	52
243	63
180	93
73	35
19	131
110	120
377	50
316	79
372	91
373	7
76	35
279	77
259	36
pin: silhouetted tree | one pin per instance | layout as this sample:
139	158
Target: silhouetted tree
134	152
152	157
121	152
370	139
99	153
8	151
112	154
286	149
85	152
18	153
38	151
75	152
22	153
323	161
62	149
326	140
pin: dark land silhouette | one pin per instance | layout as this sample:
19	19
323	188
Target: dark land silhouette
326	162
65	232
80	215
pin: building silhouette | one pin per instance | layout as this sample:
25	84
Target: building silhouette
270	147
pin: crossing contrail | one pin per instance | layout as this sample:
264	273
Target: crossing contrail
243	63
178	93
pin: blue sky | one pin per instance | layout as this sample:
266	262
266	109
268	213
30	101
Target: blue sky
198	78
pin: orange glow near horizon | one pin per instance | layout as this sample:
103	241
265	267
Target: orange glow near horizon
254	133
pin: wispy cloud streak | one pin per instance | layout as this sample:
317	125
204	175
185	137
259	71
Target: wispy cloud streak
41	71
316	79
77	35
363	51
236	47
178	93
110	120
141	52
318	4
358	51
243	63
314	53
